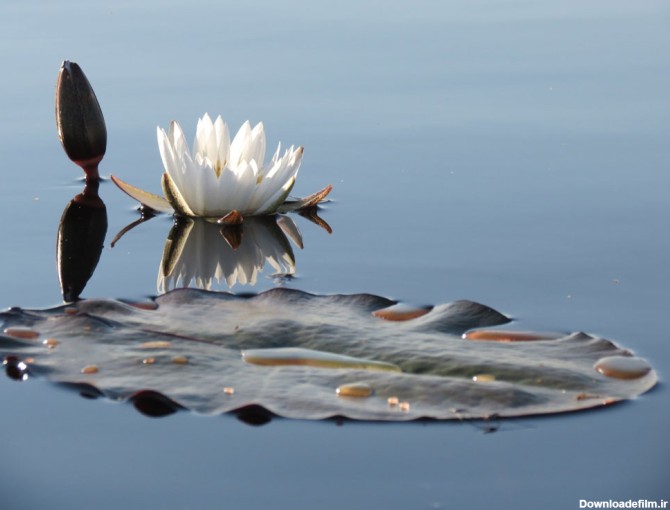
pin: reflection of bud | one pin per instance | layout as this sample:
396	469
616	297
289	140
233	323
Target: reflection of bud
81	235
81	126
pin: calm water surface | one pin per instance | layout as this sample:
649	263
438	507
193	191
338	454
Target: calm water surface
512	153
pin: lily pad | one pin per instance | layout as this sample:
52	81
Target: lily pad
306	356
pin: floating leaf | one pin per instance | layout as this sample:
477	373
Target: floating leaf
300	348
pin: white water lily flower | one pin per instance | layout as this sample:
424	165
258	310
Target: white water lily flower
218	178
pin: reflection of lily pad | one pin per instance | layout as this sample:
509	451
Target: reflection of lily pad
187	347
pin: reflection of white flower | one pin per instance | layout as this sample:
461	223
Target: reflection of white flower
199	252
219	176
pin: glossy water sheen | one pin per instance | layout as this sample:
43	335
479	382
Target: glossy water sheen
510	153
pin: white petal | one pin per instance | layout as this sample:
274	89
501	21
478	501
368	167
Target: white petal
203	128
174	166
275	156
276	199
211	147
178	138
272	183
258	144
214	193
280	178
239	145
245	188
165	148
289	162
187	183
223	141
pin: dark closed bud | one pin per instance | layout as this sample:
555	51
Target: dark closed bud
81	126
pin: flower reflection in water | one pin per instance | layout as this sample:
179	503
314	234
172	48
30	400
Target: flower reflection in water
198	252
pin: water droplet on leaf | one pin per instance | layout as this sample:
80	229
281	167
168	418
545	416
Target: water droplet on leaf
623	367
21	332
401	312
157	344
360	390
499	335
297	356
51	343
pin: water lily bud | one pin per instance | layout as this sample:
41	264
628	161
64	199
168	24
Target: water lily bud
81	126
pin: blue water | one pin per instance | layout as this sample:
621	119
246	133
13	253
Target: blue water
512	153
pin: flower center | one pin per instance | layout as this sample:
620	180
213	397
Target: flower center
218	167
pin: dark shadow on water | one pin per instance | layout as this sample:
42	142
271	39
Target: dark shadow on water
153	404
